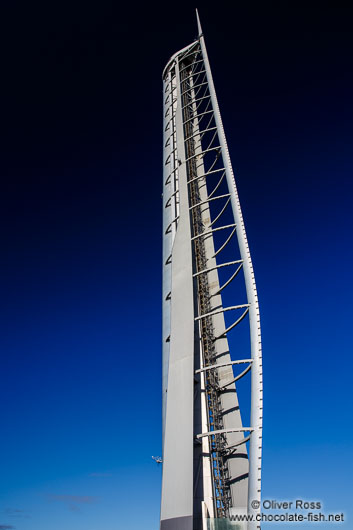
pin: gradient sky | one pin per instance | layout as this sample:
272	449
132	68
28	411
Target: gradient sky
80	270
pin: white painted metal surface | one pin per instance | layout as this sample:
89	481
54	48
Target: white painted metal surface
254	312
206	468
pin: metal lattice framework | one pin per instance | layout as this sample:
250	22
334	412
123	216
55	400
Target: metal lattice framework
207	472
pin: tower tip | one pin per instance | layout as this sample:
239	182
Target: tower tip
198	23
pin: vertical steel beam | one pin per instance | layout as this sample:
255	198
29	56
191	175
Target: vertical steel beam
177	481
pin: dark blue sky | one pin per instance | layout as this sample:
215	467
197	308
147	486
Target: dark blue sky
80	270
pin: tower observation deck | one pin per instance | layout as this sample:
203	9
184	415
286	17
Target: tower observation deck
211	324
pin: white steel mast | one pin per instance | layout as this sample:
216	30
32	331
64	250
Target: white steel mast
208	472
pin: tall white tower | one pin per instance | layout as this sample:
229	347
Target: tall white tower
211	323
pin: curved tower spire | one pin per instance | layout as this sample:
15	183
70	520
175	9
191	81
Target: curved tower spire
211	325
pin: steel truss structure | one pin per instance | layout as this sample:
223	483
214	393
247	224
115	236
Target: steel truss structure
211	461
